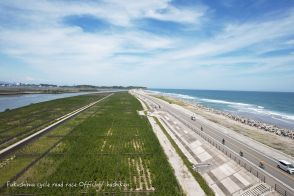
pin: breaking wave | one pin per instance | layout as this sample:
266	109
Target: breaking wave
233	106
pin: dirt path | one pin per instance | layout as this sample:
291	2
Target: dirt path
188	183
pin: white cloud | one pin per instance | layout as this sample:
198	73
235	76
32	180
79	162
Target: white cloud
177	15
290	42
238	36
131	55
117	12
44	35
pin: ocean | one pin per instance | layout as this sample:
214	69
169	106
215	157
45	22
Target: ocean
270	107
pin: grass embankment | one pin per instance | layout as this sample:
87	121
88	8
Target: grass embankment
18	123
15	163
114	149
197	176
170	100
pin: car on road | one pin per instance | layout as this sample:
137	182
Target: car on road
286	166
193	118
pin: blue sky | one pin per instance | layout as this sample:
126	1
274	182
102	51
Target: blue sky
211	44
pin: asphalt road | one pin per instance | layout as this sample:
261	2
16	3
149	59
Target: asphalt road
270	169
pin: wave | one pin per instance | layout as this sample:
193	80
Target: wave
251	108
178	95
182	96
276	115
225	102
240	107
151	91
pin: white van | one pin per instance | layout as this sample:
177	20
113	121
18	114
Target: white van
286	166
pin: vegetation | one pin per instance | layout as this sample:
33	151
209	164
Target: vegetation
197	176
21	88
18	123
170	100
270	139
112	150
11	165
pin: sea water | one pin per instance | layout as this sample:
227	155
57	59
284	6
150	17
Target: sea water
270	107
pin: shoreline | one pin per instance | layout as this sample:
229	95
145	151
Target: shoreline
289	133
281	143
24	93
3	93
15	101
250	122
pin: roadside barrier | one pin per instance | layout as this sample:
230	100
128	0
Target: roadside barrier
260	173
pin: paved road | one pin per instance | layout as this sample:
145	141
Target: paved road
254	156
60	120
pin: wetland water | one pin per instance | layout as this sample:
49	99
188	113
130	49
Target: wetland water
17	101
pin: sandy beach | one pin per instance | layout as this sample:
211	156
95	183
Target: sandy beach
219	167
275	140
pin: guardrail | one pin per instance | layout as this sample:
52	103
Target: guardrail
261	174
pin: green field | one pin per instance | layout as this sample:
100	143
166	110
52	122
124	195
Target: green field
16	162
112	150
18	123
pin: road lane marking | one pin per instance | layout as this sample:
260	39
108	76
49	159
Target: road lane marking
276	169
265	163
237	141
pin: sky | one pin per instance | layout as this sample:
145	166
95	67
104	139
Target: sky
191	44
